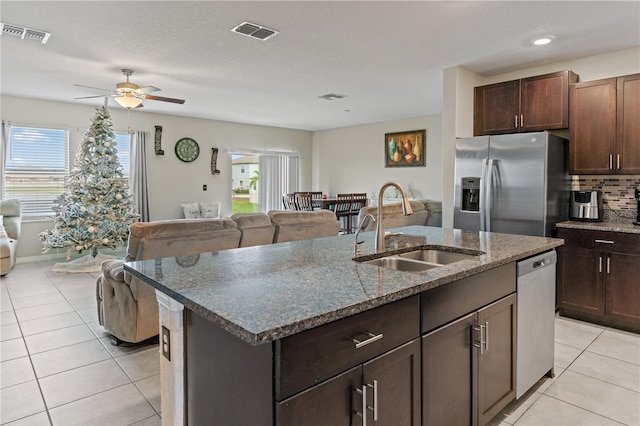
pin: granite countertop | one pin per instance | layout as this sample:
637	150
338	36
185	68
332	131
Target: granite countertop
627	227
265	293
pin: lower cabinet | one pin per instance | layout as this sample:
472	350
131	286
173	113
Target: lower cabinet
598	277
383	391
468	368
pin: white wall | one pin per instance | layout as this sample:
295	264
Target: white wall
458	100
171	181
351	159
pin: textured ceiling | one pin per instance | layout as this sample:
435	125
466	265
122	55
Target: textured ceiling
387	57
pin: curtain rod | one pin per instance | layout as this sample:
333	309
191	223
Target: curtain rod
261	152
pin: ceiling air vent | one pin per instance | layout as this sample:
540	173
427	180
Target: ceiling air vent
254	31
332	96
24	33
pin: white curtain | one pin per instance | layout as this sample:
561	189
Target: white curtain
6	129
278	175
138	184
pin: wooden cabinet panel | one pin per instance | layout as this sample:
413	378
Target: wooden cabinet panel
315	355
447	375
497	360
592	131
623	287
628	123
544	101
527	105
581	286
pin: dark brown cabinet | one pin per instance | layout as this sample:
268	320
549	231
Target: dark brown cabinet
386	390
526	105
469	366
598	277
604	131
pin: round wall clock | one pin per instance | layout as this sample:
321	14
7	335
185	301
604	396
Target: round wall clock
187	150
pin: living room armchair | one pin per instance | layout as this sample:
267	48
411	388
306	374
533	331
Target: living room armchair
127	306
10	223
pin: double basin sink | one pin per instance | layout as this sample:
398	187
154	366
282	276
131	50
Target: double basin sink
419	260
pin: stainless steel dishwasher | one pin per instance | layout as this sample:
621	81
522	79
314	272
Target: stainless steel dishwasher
536	288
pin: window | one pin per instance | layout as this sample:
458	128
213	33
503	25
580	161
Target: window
124	151
37	163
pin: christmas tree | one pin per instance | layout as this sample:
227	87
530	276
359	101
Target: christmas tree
96	208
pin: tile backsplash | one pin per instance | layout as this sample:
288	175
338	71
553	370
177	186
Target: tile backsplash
617	194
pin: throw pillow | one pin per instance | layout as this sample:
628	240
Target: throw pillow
210	210
191	210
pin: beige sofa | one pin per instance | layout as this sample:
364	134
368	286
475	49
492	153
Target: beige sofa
127	307
425	213
11	212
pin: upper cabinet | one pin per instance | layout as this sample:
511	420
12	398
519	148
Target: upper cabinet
604	129
527	105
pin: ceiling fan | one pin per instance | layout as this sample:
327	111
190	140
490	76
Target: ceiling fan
130	95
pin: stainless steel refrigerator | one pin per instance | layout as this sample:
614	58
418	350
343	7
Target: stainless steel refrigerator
516	184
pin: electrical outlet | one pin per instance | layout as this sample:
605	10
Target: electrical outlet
165	343
204	187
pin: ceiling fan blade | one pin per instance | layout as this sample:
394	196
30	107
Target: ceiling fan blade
91	87
89	97
163	99
146	89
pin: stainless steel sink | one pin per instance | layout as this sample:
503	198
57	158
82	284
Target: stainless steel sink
401	264
440	257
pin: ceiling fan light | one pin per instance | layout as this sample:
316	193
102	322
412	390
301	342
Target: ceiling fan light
128	101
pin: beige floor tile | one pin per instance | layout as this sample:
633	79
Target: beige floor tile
609	370
77	293
549	411
48	310
141	365
43	299
579	325
544	383
124	349
68	357
51	323
31	290
11	349
98	330
8	317
88	302
20	401
151	421
150	388
89	315
68	386
564	355
58	338
617	346
605	399
120	406
575	335
9	332
516	408
16	371
40	419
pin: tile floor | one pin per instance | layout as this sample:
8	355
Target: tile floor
59	368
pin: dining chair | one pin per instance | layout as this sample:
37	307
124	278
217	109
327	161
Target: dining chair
343	212
289	201
304	201
316	199
358	201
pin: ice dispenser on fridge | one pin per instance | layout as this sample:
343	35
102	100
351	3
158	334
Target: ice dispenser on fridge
470	194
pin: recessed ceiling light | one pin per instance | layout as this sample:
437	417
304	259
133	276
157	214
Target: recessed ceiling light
540	41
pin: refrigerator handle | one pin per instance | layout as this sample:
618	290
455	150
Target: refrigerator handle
488	194
483	192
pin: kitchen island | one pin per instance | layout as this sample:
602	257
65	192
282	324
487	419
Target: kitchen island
290	333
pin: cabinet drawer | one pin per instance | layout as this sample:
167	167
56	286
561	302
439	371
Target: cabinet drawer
612	242
310	357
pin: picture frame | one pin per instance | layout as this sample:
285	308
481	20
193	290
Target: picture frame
405	149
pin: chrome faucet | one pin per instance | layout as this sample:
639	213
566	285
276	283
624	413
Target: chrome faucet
363	224
406	210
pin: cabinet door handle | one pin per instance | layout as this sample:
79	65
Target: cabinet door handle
486	336
600	264
375	400
610	161
521	120
363	392
605	241
618	162
515	123
608	264
483	343
371	338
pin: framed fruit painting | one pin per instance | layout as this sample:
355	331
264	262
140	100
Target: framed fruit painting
405	149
